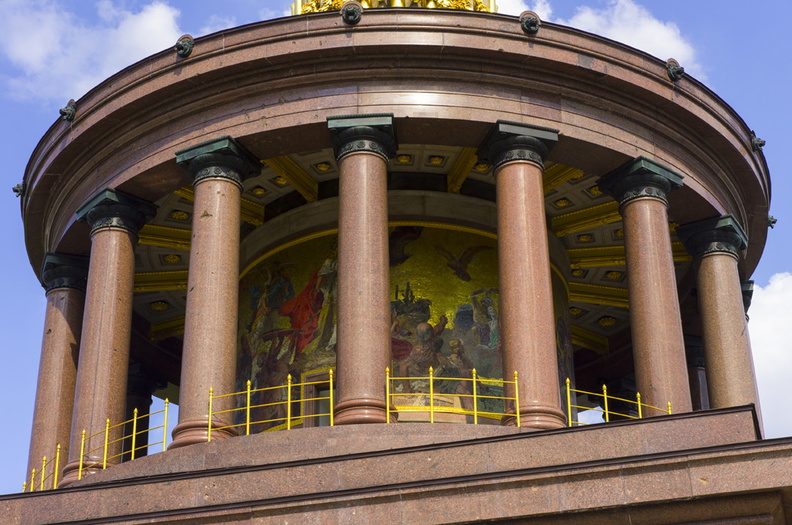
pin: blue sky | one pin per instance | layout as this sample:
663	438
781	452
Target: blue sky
54	50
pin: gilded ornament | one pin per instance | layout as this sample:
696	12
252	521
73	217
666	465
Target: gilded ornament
436	160
404	159
574	311
595	191
280	181
606	321
614	275
171	258
159	306
179	215
258	191
578	273
323	166
563	203
481	167
585	237
620	233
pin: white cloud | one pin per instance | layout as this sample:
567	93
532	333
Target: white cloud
772	350
217	23
630	23
269	14
58	56
515	7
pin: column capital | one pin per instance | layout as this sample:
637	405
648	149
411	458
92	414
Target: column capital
61	270
641	177
716	235
747	288
111	208
223	158
373	133
509	141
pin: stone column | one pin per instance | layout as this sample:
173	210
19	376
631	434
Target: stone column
218	168
697	373
641	187
362	145
141	384
714	244
63	277
526	321
115	219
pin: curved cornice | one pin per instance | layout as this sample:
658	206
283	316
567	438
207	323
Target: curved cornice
271	85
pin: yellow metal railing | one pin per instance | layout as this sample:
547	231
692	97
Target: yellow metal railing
605	405
133	437
287	399
470	391
40	479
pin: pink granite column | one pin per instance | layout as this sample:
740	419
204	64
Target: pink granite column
362	146
63	277
115	218
715	244
210	328
661	374
526	323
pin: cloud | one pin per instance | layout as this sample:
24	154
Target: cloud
769	315
57	55
630	23
515	7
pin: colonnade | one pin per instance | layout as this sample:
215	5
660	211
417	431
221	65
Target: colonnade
89	302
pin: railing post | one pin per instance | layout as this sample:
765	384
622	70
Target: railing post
431	394
209	429
134	434
165	427
569	403
82	456
638	400
332	397
43	472
387	394
24	486
57	467
33	480
475	398
106	439
247	409
516	399
288	401
605	402
669	408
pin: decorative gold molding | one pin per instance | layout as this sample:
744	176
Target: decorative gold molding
295	175
557	174
317	6
165	237
165	329
591	340
605	256
585	219
252	212
598	294
161	281
461	168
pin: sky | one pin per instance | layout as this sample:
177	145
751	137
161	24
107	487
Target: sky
55	50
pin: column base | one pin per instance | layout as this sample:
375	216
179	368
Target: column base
357	411
71	472
537	418
193	432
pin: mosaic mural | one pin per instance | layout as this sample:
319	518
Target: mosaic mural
444	315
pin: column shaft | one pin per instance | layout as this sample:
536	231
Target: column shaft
210	327
657	340
526	297
52	415
363	284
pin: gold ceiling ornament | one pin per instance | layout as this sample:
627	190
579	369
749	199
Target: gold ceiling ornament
301	7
